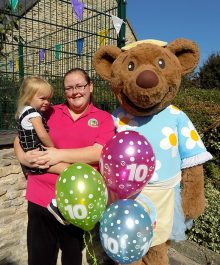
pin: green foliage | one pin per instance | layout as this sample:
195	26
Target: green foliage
189	81
203	108
103	96
209	73
58	96
212	138
212	173
206	228
8	22
8	97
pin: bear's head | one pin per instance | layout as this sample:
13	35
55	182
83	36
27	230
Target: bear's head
145	76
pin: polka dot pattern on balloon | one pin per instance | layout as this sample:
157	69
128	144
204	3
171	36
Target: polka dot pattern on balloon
127	163
81	195
126	231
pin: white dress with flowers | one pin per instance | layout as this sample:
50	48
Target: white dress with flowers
176	145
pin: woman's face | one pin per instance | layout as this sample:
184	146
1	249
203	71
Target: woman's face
77	91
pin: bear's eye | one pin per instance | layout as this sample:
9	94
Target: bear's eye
131	66
161	63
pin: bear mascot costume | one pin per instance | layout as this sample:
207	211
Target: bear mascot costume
145	76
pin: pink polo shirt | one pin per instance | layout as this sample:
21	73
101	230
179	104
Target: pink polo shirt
94	126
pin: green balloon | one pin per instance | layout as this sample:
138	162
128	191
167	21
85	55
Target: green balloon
81	195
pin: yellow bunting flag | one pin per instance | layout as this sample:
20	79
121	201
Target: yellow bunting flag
102	36
17	65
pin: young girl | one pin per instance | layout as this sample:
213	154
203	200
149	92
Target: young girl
34	99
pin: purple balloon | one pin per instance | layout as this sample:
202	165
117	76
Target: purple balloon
127	163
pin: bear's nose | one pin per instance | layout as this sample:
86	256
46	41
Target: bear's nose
147	79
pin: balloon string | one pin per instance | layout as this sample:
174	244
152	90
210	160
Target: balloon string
92	255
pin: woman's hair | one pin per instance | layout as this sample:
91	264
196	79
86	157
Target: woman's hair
74	70
29	88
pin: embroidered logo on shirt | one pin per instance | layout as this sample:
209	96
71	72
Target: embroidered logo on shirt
93	123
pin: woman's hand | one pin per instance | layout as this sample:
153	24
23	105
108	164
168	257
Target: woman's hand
36	159
52	156
33	159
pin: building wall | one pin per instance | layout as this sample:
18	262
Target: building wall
13	210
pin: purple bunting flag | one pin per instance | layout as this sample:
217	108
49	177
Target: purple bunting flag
41	55
78	9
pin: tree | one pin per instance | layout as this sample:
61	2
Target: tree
209	73
190	80
8	22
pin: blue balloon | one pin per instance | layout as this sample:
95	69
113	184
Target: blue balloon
126	231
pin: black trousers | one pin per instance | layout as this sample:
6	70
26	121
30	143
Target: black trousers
45	236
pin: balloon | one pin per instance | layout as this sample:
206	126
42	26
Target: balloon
126	231
127	163
81	195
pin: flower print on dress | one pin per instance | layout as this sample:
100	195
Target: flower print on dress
155	176
192	135
170	141
125	122
174	110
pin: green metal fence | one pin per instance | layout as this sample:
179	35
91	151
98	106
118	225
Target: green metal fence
44	37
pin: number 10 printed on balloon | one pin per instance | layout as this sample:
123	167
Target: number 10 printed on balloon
81	195
127	163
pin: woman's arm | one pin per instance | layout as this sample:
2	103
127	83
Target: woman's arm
32	159
36	159
41	131
88	155
58	168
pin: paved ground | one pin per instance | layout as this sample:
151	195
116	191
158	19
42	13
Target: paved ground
190	253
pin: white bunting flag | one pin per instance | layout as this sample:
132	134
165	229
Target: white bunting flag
117	22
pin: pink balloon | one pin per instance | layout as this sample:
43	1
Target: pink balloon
127	163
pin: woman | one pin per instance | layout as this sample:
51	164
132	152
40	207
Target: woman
78	130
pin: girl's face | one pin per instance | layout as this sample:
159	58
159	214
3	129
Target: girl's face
41	101
77	92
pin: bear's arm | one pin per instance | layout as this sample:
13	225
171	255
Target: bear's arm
193	198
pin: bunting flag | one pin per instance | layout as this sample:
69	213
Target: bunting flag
13	4
30	58
117	22
11	65
78	9
79	44
102	36
41	55
17	65
57	51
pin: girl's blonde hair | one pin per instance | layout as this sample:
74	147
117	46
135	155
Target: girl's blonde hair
29	88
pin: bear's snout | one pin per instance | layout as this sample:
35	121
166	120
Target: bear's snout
147	79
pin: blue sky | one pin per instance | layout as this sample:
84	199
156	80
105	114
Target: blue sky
198	20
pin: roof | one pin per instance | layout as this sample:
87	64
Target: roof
22	8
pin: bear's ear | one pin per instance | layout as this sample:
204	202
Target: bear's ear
187	53
103	60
